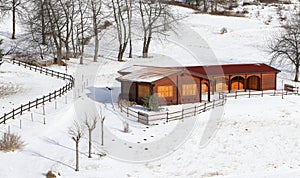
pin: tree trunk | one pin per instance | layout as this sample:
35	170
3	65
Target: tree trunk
297	73
130	48
77	156
14	19
120	55
146	47
205	5
96	47
43	23
102	132
90	143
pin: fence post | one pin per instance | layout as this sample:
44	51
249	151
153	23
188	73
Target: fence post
43	100
127	112
49	97
21	109
4	118
249	93
274	92
13	113
37	102
29	106
204	109
182	113
281	93
44	109
167	116
213	103
235	94
195	110
262	93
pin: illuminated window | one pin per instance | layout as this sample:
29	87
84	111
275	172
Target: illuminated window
165	91
144	90
189	90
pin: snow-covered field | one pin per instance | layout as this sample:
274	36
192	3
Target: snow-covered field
256	137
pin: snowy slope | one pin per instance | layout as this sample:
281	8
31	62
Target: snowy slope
256	137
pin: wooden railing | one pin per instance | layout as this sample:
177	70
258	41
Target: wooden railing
146	118
39	101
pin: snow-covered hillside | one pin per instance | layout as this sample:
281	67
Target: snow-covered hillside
251	137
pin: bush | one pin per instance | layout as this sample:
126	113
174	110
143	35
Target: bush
223	30
52	174
151	103
11	142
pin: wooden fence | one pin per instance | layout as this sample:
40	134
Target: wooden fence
39	101
146	118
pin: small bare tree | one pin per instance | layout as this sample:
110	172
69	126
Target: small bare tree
76	133
90	124
285	48
102	127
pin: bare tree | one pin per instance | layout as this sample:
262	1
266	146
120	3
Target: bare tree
13	6
90	124
76	133
82	8
121	23
285	48
0	50
102	126
57	25
154	16
99	23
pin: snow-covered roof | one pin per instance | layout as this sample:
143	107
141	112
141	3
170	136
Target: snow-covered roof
139	73
147	73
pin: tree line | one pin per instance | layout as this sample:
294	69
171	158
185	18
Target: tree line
64	28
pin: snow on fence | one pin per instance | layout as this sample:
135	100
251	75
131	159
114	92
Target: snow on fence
146	118
39	101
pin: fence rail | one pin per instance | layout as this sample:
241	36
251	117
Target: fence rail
146	118
39	101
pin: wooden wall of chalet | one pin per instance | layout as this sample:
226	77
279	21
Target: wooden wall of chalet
177	83
170	81
269	81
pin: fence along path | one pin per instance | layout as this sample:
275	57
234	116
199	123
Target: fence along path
46	98
146	118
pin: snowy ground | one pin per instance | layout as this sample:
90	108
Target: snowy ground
256	137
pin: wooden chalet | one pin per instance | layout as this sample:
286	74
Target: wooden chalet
178	85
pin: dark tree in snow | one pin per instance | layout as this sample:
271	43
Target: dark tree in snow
285	48
15	8
155	16
99	23
122	20
76	133
1	50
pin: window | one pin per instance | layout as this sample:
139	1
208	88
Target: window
189	90
143	90
165	91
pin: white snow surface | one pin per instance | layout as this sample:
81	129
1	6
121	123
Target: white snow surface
255	137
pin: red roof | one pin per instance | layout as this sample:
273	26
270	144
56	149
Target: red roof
233	69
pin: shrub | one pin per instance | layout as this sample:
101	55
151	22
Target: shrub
223	30
151	103
52	174
11	142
